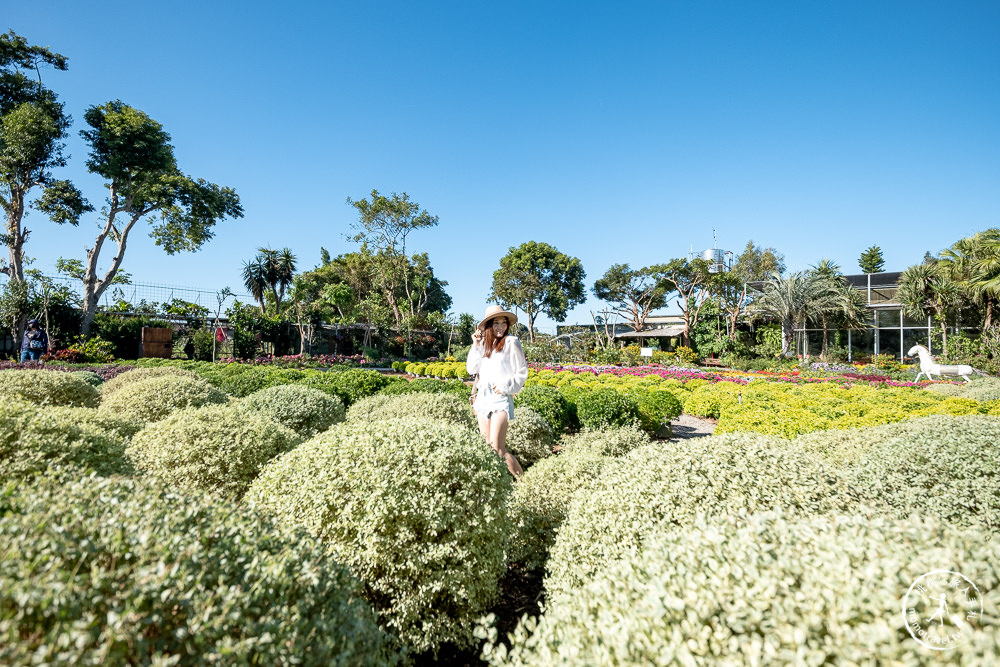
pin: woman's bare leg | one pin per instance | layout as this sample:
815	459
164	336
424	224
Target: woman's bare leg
498	438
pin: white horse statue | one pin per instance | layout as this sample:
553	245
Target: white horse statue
930	367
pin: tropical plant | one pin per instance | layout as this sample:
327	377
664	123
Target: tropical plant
270	273
927	289
792	301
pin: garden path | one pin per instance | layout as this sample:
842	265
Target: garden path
687	426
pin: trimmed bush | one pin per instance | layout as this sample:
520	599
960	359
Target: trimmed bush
946	467
350	386
47	388
90	377
529	436
117	426
34	440
214	449
541	499
606	407
137	374
549	403
416	507
154	398
653	486
765	589
305	410
427	386
444	406
126	572
657	407
980	389
708	400
606	442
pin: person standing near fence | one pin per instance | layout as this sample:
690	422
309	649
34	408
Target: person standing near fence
498	358
35	342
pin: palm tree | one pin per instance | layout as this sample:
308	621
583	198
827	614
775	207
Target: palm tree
974	262
792	301
271	270
835	298
926	289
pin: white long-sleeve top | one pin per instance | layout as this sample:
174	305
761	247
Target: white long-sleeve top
507	370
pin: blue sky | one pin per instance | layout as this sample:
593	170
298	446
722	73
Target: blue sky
617	132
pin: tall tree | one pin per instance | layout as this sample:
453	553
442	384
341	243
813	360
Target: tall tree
974	262
927	289
384	223
632	293
270	272
33	125
835	299
871	260
690	280
731	287
133	153
538	279
792	301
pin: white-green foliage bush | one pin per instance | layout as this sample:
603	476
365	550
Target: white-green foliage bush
305	410
154	398
216	448
980	389
542	497
607	442
126	572
90	377
530	436
137	374
653	486
36	439
767	590
444	406
416	507
119	426
47	388
946	467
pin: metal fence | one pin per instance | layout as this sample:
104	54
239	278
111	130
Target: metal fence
150	293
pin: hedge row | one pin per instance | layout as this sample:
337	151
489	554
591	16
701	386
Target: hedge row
127	572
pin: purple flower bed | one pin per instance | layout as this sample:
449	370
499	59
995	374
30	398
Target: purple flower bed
106	372
309	361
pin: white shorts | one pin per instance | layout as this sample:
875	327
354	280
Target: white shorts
488	402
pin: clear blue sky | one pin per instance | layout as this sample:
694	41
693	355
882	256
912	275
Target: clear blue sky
615	131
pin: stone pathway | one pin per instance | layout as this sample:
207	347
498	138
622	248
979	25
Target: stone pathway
686	426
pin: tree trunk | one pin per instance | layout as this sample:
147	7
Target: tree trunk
16	238
787	336
823	353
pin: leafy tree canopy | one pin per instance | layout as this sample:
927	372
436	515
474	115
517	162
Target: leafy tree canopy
871	260
536	278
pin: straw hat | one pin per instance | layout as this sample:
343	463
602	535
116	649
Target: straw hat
497	311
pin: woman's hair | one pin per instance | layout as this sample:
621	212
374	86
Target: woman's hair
495	343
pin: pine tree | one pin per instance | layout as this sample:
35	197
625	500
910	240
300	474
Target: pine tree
871	260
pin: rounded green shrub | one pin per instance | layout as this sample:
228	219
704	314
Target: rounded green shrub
541	499
47	388
653	486
606	407
90	377
448	407
946	467
657	407
36	439
767	589
607	442
154	398
549	403
708	400
980	389
137	374
529	436
350	386
426	385
416	507
126	572
118	426
305	410
216	449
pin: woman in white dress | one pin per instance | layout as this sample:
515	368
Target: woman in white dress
498	359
